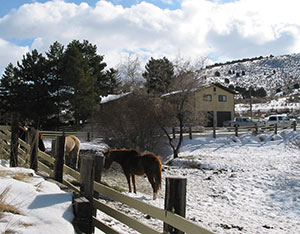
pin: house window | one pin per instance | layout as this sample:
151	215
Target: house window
222	98
207	97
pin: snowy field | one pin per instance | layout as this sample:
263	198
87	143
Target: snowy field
248	184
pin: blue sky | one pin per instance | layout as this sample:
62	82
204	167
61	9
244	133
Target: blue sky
221	30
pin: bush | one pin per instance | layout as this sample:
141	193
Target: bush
131	122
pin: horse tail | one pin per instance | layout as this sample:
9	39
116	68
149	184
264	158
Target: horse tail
157	175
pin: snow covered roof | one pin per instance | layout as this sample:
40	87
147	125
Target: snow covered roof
112	97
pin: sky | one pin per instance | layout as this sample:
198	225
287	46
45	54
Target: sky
220	30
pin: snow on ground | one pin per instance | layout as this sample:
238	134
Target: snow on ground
248	184
43	207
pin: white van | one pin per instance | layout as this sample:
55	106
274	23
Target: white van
281	121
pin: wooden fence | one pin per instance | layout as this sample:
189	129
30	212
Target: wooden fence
53	134
89	181
222	131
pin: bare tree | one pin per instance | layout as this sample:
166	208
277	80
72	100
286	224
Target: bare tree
131	122
130	72
180	102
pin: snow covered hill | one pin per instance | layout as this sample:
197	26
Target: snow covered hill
271	73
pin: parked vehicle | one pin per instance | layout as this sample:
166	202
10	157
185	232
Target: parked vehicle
281	121
242	122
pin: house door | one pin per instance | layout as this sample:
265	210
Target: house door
223	116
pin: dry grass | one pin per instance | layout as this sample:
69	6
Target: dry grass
3	173
21	176
4	206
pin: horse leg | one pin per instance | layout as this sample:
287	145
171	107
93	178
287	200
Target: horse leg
128	181
133	182
72	159
151	180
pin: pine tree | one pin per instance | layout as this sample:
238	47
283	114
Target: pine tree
83	74
159	75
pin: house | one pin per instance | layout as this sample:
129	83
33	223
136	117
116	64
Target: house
216	100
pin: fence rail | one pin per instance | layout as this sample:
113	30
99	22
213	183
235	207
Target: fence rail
54	134
47	163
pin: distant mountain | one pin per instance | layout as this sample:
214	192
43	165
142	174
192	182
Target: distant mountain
273	73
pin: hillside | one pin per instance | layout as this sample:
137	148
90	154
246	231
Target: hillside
272	72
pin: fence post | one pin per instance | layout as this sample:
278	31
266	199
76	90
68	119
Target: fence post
256	130
214	132
295	126
175	200
190	132
14	142
59	154
275	131
34	148
236	130
88	136
87	174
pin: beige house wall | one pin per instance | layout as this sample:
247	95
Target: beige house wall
214	104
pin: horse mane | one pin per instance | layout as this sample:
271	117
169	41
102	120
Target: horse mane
130	151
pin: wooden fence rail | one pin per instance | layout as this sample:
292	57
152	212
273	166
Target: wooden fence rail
47	163
54	134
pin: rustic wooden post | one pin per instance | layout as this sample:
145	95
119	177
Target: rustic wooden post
256	130
190	132
236	130
14	142
53	148
275	131
59	154
214	132
295	126
87	173
175	200
34	148
98	167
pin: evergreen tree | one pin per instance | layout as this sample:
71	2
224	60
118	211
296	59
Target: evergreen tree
9	90
83	74
25	89
113	83
54	76
37	104
159	75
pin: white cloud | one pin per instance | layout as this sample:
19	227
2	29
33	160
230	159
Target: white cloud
10	53
233	30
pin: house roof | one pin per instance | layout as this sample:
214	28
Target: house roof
221	87
112	97
202	88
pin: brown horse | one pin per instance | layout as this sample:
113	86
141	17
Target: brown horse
72	148
133	164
